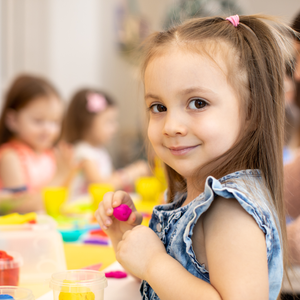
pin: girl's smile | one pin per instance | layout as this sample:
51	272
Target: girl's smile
182	150
195	114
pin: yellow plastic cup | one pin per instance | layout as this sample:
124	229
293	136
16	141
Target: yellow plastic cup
54	197
97	192
148	188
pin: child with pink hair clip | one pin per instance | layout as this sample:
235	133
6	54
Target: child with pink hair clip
89	125
213	89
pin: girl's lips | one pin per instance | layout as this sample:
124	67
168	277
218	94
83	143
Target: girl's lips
182	150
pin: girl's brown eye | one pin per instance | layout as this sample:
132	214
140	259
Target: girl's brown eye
197	103
157	108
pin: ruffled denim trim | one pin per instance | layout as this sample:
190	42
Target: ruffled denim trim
214	187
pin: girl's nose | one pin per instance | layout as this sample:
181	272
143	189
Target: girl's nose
174	125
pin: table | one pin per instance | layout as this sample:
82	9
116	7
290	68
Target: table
127	287
117	289
88	254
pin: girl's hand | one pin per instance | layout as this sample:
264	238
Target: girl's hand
137	250
67	167
138	169
104	215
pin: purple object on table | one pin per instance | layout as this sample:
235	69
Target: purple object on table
96	241
122	212
116	274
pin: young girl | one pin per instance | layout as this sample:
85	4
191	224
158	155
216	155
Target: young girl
30	124
214	91
90	124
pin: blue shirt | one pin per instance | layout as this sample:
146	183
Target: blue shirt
174	225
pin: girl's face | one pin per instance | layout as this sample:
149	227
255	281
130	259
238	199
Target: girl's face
103	127
195	114
38	124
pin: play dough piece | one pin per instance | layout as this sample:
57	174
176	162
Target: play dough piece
76	296
116	274
74	292
122	212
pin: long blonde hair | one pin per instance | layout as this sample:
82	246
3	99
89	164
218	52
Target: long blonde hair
260	47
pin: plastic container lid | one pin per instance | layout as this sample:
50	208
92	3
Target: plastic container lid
10	260
73	279
16	293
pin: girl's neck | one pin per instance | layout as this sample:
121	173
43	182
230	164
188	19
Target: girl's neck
193	191
20	141
92	142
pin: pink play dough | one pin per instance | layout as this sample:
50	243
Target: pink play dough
122	212
116	274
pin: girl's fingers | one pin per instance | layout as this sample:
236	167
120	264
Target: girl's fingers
107	203
100	222
135	218
120	197
102	216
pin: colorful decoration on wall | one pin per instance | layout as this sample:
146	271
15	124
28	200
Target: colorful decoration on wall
185	9
132	28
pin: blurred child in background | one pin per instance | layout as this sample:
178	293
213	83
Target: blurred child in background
30	124
90	124
291	117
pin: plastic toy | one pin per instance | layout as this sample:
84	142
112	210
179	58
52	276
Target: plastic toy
97	241
6	296
9	270
122	212
15	218
116	274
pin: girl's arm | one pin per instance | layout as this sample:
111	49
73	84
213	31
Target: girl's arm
293	239
11	174
235	250
20	203
66	167
92	175
119	178
291	187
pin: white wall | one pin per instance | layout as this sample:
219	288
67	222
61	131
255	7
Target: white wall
73	43
285	9
76	44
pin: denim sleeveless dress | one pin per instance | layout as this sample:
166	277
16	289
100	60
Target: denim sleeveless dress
174	225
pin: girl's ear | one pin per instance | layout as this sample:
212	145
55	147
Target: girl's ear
11	120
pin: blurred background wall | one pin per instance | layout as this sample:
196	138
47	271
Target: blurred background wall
77	43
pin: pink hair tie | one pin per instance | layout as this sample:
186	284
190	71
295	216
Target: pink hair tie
235	20
95	102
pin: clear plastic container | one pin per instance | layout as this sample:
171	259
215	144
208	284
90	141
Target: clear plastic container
78	285
16	293
40	246
10	268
